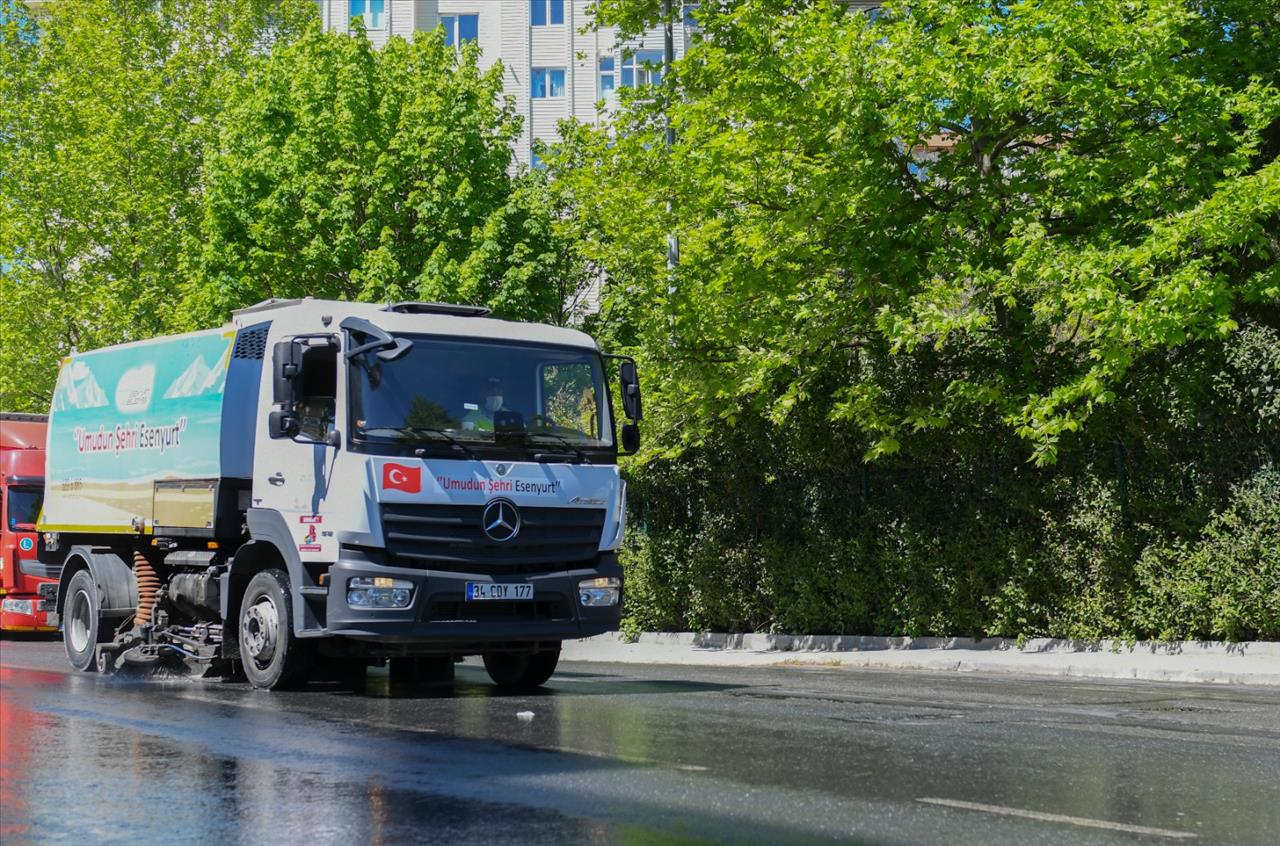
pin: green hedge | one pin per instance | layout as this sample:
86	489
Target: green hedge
1061	557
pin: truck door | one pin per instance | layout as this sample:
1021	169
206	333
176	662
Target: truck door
293	474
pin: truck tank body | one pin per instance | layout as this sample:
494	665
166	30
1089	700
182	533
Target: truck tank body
142	436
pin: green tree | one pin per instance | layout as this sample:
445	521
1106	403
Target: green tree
950	238
958	216
105	110
387	174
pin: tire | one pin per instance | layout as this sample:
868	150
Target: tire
82	628
521	669
272	657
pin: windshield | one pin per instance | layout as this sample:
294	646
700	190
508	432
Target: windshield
23	506
472	393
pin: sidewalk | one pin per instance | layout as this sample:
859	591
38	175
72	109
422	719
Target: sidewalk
1251	663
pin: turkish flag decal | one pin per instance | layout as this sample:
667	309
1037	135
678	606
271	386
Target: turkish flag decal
400	477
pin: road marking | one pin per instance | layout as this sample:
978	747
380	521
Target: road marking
1058	818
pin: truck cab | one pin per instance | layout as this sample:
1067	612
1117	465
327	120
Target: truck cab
342	483
22	442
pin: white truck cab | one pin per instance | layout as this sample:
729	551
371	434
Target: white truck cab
414	482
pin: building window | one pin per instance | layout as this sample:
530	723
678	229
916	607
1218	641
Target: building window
544	12
547	82
372	12
643	67
460	29
691	15
608	76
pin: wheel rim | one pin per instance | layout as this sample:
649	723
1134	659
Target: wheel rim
260	631
79	623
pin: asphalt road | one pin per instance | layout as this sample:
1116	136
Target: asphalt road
634	755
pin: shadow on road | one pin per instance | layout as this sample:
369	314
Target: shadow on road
30	637
472	683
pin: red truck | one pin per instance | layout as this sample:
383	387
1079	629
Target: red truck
22	444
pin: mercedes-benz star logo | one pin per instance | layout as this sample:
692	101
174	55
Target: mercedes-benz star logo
501	520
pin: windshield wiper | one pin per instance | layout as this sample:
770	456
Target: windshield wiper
560	439
420	431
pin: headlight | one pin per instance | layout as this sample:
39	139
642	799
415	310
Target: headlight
18	606
593	593
379	592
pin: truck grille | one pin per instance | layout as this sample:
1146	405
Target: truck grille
450	537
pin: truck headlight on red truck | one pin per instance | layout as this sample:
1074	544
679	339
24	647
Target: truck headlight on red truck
18	606
379	592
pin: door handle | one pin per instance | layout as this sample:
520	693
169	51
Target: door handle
277	479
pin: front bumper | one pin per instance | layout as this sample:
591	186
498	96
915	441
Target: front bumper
440	613
37	621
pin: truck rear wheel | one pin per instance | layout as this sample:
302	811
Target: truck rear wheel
521	669
272	657
82	622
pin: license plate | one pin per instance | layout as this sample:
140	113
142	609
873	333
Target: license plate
477	591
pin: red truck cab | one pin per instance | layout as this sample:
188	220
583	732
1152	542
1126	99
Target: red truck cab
22	445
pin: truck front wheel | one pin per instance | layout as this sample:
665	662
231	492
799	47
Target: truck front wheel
521	669
272	657
82	622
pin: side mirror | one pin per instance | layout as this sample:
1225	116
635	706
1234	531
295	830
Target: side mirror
630	438
630	384
282	424
286	360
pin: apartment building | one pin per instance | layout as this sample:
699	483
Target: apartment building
554	65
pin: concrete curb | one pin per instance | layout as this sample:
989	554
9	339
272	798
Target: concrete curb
1208	662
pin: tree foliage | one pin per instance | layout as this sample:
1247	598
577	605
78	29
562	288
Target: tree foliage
975	325
955	215
368	174
105	111
165	161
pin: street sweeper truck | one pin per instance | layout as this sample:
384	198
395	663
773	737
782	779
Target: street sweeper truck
321	484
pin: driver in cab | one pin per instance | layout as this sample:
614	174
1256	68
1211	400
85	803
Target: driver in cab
480	418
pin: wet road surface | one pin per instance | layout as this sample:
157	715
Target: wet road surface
634	755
